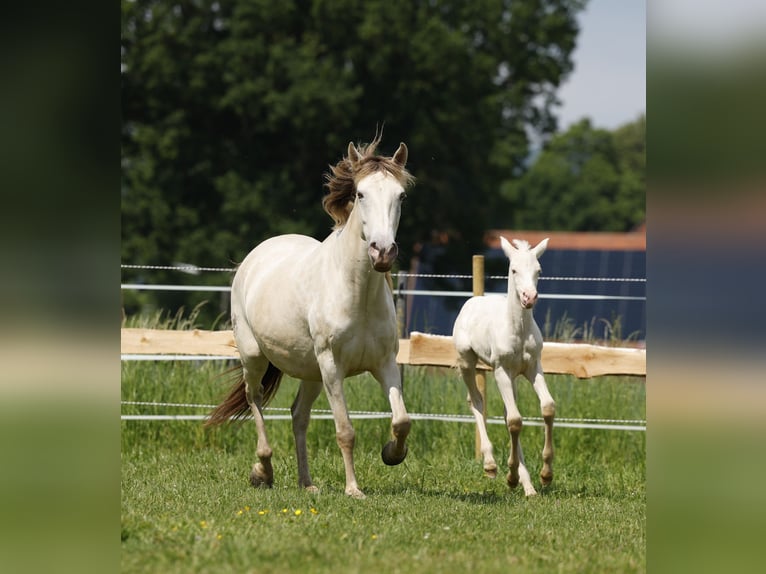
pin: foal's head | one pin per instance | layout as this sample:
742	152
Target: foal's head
524	269
374	185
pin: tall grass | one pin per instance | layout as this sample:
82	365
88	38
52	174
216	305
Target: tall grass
187	505
596	331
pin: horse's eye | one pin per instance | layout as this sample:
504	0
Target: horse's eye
402	197
359	195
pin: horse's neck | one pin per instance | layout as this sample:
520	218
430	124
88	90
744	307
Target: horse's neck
351	262
520	318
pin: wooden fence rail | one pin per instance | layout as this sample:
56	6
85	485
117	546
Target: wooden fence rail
581	360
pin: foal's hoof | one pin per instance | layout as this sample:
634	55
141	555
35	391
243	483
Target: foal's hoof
259	478
490	471
546	479
388	455
513	481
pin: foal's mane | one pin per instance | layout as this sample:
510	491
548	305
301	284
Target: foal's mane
521	244
345	175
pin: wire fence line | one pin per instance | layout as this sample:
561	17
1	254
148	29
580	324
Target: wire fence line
193	269
397	291
326	414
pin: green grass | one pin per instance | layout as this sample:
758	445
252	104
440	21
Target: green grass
187	505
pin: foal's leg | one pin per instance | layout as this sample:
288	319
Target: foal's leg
468	371
301	411
517	472
548	408
389	378
254	368
332	379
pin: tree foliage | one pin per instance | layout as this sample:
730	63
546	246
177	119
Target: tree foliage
585	179
233	109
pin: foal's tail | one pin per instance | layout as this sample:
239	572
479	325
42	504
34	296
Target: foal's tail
235	405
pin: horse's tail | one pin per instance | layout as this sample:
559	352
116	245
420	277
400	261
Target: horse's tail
235	405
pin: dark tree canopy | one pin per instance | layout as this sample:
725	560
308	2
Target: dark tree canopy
233	110
585	179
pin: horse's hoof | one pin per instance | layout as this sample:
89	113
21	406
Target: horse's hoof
546	479
490	471
513	481
355	493
259	478
388	454
311	489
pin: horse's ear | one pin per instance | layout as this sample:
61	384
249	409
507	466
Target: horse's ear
353	153
400	157
508	249
539	249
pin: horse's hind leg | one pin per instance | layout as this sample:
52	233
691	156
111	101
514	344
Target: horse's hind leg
468	371
524	478
301	412
262	473
548	409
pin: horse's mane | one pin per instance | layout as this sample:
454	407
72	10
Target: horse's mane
343	177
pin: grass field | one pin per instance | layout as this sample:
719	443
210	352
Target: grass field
187	505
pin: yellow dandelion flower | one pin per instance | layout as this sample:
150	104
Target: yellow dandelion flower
284	511
374	536
240	512
313	510
262	512
298	512
247	508
219	536
203	523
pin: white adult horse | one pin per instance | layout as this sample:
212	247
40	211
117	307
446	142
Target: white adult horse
502	332
321	312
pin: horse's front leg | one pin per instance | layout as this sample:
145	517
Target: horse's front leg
548	409
332	378
517	471
395	450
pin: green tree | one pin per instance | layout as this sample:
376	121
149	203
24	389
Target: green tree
233	109
585	179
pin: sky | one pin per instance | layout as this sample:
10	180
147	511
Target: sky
715	25
608	84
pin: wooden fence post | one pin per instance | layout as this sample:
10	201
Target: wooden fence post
481	379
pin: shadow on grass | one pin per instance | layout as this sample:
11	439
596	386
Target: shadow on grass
479	496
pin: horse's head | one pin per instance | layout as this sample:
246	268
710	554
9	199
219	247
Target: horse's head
524	269
379	196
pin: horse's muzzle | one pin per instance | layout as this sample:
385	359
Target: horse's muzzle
382	259
528	300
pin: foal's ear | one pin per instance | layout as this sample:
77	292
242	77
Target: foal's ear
508	249
539	249
400	157
353	153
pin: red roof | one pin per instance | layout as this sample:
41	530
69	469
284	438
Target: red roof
576	240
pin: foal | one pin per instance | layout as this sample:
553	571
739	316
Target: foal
502	332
